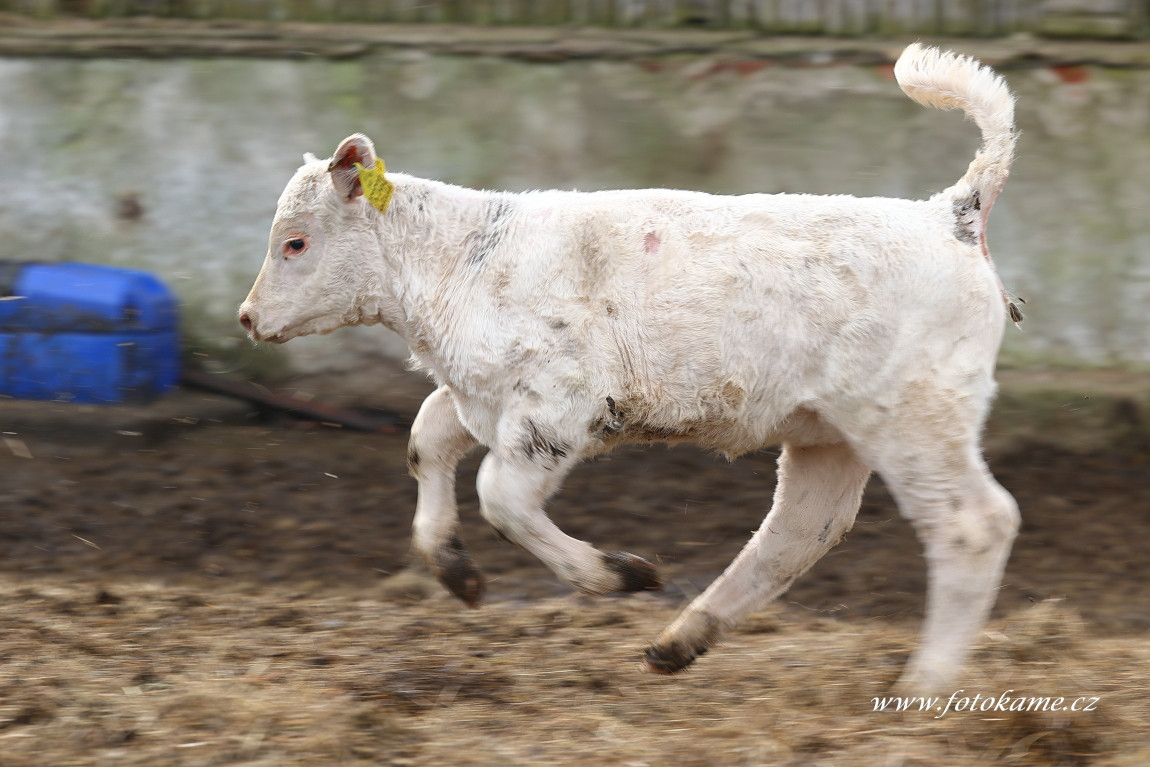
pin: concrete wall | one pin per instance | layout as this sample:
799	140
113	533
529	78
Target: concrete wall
1065	18
174	165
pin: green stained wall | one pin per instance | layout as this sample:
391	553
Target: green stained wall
174	165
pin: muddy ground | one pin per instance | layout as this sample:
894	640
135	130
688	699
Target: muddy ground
195	584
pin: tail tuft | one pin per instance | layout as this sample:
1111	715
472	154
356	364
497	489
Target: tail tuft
945	80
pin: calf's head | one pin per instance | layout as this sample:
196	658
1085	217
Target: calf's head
318	271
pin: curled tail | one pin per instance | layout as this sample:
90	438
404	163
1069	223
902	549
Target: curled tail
946	80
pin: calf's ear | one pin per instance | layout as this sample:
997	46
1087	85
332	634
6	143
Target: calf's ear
356	148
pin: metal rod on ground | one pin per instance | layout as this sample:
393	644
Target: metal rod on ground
384	423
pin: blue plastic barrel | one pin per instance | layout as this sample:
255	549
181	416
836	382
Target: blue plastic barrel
86	333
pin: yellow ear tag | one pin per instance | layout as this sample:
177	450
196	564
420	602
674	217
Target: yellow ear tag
376	188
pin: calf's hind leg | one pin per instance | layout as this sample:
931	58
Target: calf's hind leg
966	525
927	452
817	497
438	442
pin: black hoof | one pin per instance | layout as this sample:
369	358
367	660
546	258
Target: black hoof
672	659
457	571
635	573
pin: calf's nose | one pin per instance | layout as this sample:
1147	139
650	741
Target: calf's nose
246	321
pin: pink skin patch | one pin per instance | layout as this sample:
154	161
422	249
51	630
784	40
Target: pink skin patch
651	243
986	254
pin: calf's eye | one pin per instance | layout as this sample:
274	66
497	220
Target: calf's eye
294	245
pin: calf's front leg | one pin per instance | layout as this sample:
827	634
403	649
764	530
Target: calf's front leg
438	442
514	483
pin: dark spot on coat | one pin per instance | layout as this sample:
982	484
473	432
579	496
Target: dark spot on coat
967	219
420	200
487	237
557	325
635	573
540	442
413	460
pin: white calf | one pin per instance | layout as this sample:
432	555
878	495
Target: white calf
859	333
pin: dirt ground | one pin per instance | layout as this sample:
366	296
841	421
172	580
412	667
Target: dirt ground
193	584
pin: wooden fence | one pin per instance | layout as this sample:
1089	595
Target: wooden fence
1074	18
